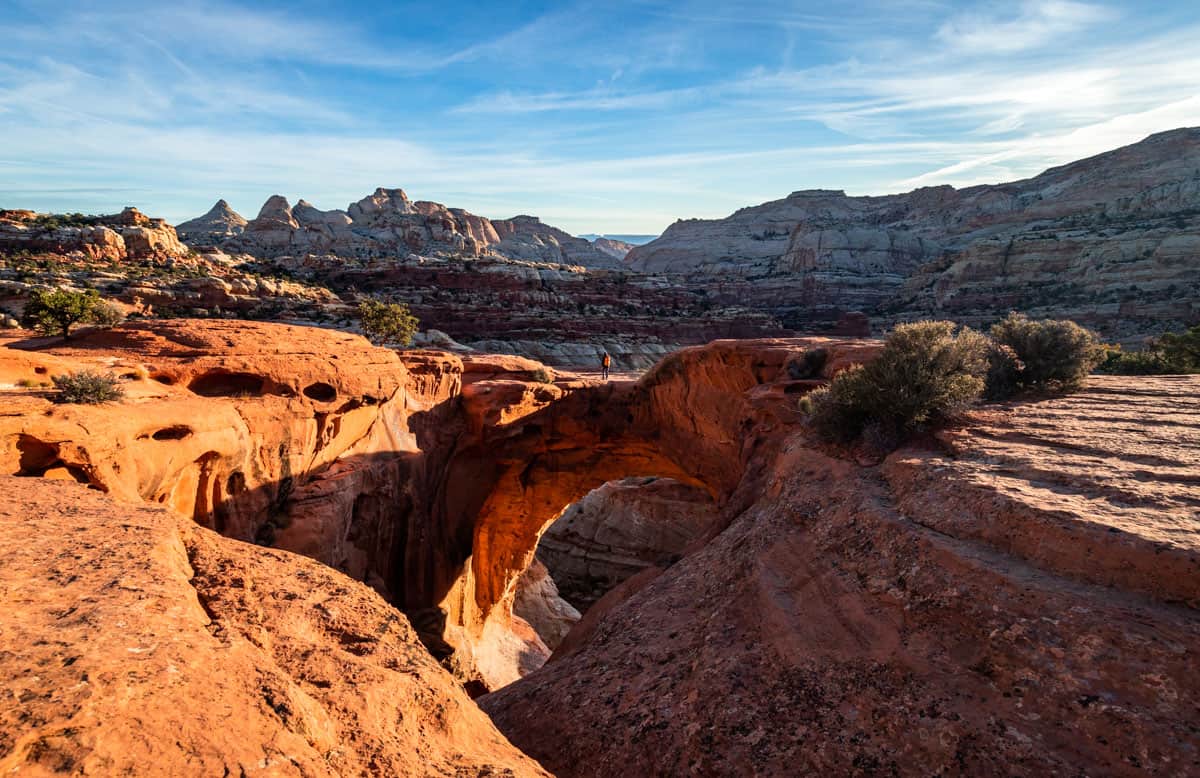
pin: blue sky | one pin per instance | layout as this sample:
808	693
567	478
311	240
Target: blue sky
596	116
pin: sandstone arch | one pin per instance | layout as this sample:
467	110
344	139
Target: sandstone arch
433	478
697	418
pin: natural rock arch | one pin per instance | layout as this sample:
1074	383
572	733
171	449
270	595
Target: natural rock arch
433	478
697	418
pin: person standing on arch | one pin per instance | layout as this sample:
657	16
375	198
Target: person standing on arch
605	364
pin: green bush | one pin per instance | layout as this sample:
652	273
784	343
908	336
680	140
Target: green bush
1054	354
87	387
1175	353
1182	349
543	376
387	322
926	373
1004	372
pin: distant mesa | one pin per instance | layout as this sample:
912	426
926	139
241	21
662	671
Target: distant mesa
1112	241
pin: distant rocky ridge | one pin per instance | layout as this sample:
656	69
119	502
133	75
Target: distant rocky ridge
387	223
614	248
128	234
633	240
1112	241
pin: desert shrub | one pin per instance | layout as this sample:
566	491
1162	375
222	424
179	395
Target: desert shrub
1004	372
1181	349
106	314
542	376
28	383
808	365
926	373
1055	354
1175	353
54	221
56	311
87	387
387	322
1120	362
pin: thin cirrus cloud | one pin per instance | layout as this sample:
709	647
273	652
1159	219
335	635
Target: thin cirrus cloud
1038	22
615	117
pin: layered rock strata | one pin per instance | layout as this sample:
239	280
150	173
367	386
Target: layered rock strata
1112	241
619	530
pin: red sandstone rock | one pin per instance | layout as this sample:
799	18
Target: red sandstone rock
989	610
841	613
238	425
137	643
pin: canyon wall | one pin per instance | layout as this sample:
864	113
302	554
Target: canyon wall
429	477
1112	241
619	530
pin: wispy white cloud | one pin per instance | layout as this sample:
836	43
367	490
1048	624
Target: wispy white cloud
603	98
1036	23
596	126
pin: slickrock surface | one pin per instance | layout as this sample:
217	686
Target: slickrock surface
1014	596
1021	603
1103	485
1112	241
136	643
241	426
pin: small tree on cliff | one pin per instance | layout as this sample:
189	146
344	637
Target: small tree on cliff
387	322
55	312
